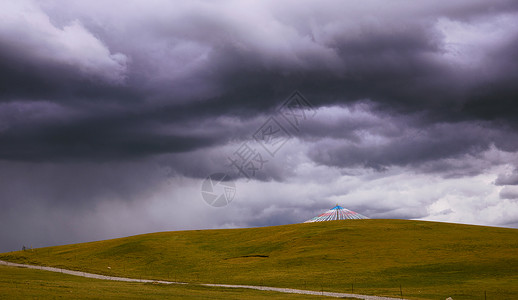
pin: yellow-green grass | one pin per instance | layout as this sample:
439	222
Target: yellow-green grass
21	283
428	260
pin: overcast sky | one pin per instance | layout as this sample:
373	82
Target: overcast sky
112	113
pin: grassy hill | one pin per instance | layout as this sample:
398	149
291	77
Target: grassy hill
428	260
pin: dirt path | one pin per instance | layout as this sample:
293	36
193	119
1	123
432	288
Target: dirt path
254	287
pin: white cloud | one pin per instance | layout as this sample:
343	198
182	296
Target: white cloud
29	31
470	43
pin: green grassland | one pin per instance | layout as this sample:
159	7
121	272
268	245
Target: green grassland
428	260
20	283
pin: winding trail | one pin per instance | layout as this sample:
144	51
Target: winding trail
253	287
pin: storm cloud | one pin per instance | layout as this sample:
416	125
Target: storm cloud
116	111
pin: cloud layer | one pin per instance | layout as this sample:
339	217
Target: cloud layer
116	111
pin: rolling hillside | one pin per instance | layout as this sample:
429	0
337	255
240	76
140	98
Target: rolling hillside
423	260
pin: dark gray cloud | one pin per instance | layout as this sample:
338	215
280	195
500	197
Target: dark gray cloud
509	193
103	108
385	142
404	67
508	179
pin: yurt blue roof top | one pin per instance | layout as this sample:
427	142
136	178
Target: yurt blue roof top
337	213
